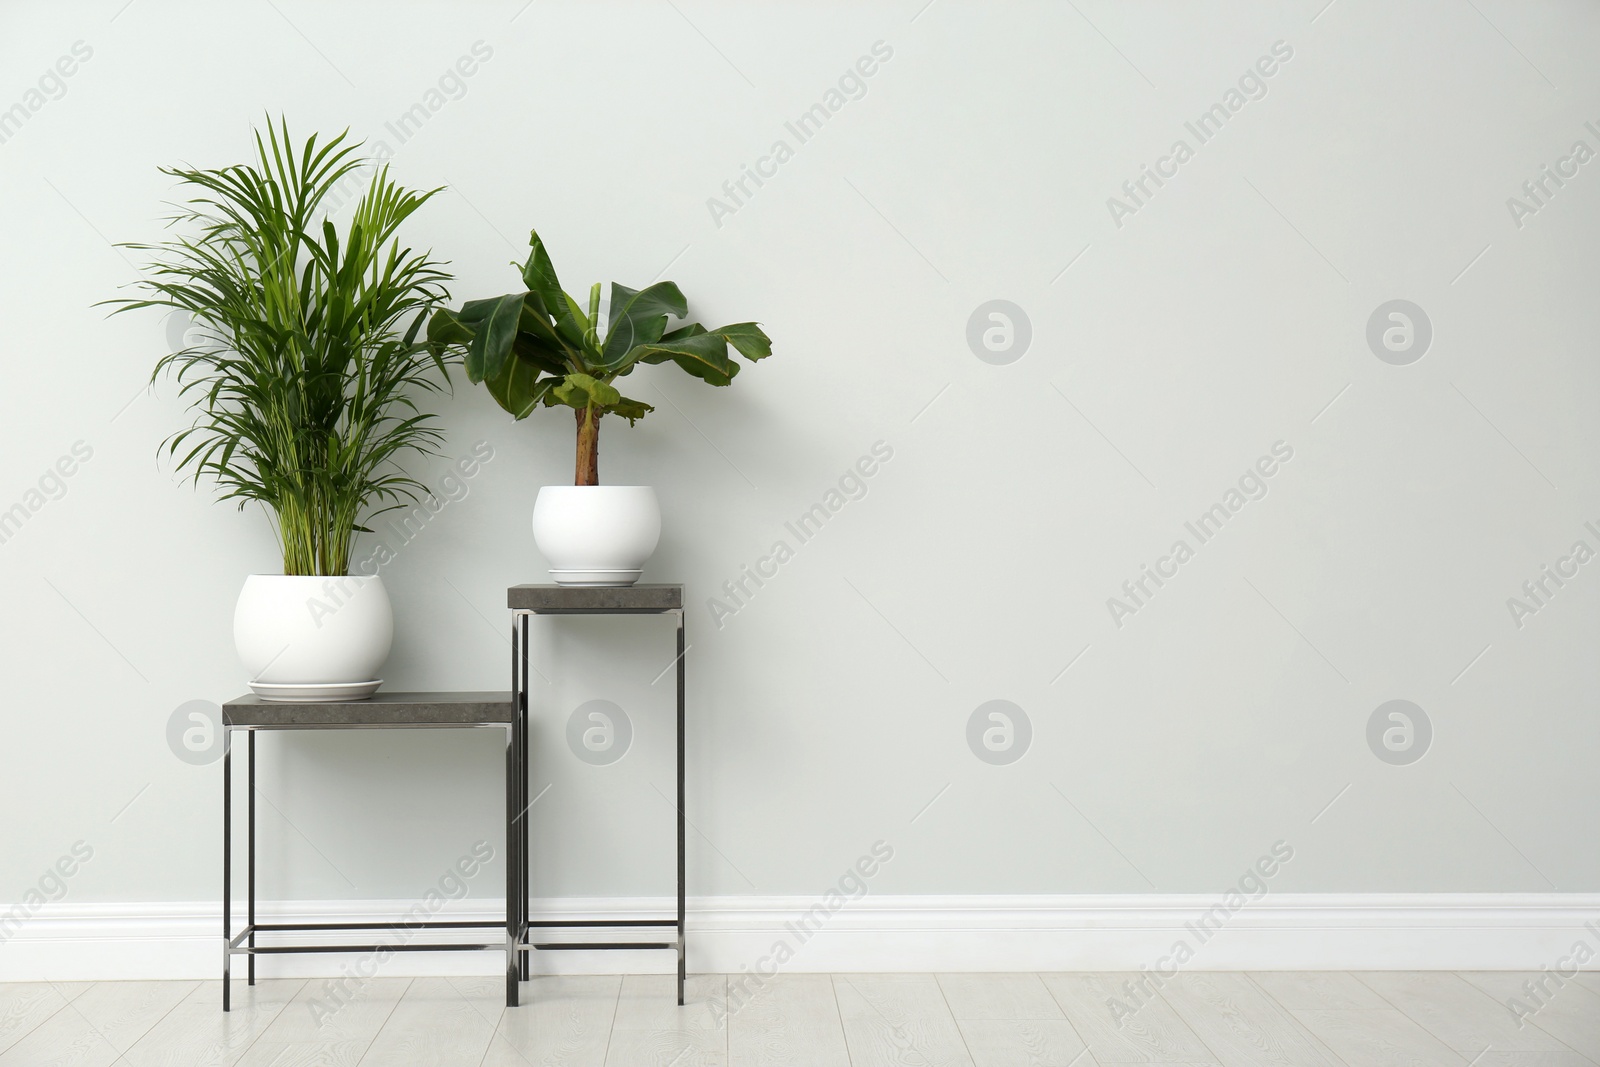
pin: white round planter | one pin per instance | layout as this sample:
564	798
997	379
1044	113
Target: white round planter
596	534
306	634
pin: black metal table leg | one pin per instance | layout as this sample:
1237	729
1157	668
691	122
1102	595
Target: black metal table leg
522	699
513	806
251	914
227	845
513	934
681	870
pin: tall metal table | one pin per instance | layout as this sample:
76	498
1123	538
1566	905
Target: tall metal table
385	711
525	601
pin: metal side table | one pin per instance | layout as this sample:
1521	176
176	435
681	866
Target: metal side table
384	711
526	601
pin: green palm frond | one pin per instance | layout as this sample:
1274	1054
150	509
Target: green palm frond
305	384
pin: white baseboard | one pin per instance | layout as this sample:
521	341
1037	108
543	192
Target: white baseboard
81	942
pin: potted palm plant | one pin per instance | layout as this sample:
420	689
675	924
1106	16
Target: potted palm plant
304	383
542	348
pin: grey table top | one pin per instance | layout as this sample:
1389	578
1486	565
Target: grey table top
595	599
396	710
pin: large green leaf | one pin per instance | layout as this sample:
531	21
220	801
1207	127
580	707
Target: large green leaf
704	355
535	323
518	388
751	341
655	353
540	355
445	329
630	409
539	274
572	325
639	316
474	312
486	356
585	391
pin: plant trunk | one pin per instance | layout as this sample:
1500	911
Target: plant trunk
588	472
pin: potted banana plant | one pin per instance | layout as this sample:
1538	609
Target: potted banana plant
542	348
305	379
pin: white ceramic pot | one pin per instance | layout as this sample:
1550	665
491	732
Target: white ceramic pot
295	630
596	534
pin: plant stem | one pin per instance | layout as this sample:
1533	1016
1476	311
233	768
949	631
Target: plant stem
588	472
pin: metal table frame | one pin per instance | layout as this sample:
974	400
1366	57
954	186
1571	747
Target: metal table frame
251	714
526	601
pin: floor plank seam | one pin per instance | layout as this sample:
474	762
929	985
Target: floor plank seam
944	996
833	987
1288	1013
361	1061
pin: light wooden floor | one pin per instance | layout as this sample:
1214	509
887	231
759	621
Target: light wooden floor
1322	1019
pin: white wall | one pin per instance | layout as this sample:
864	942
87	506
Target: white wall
1228	313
